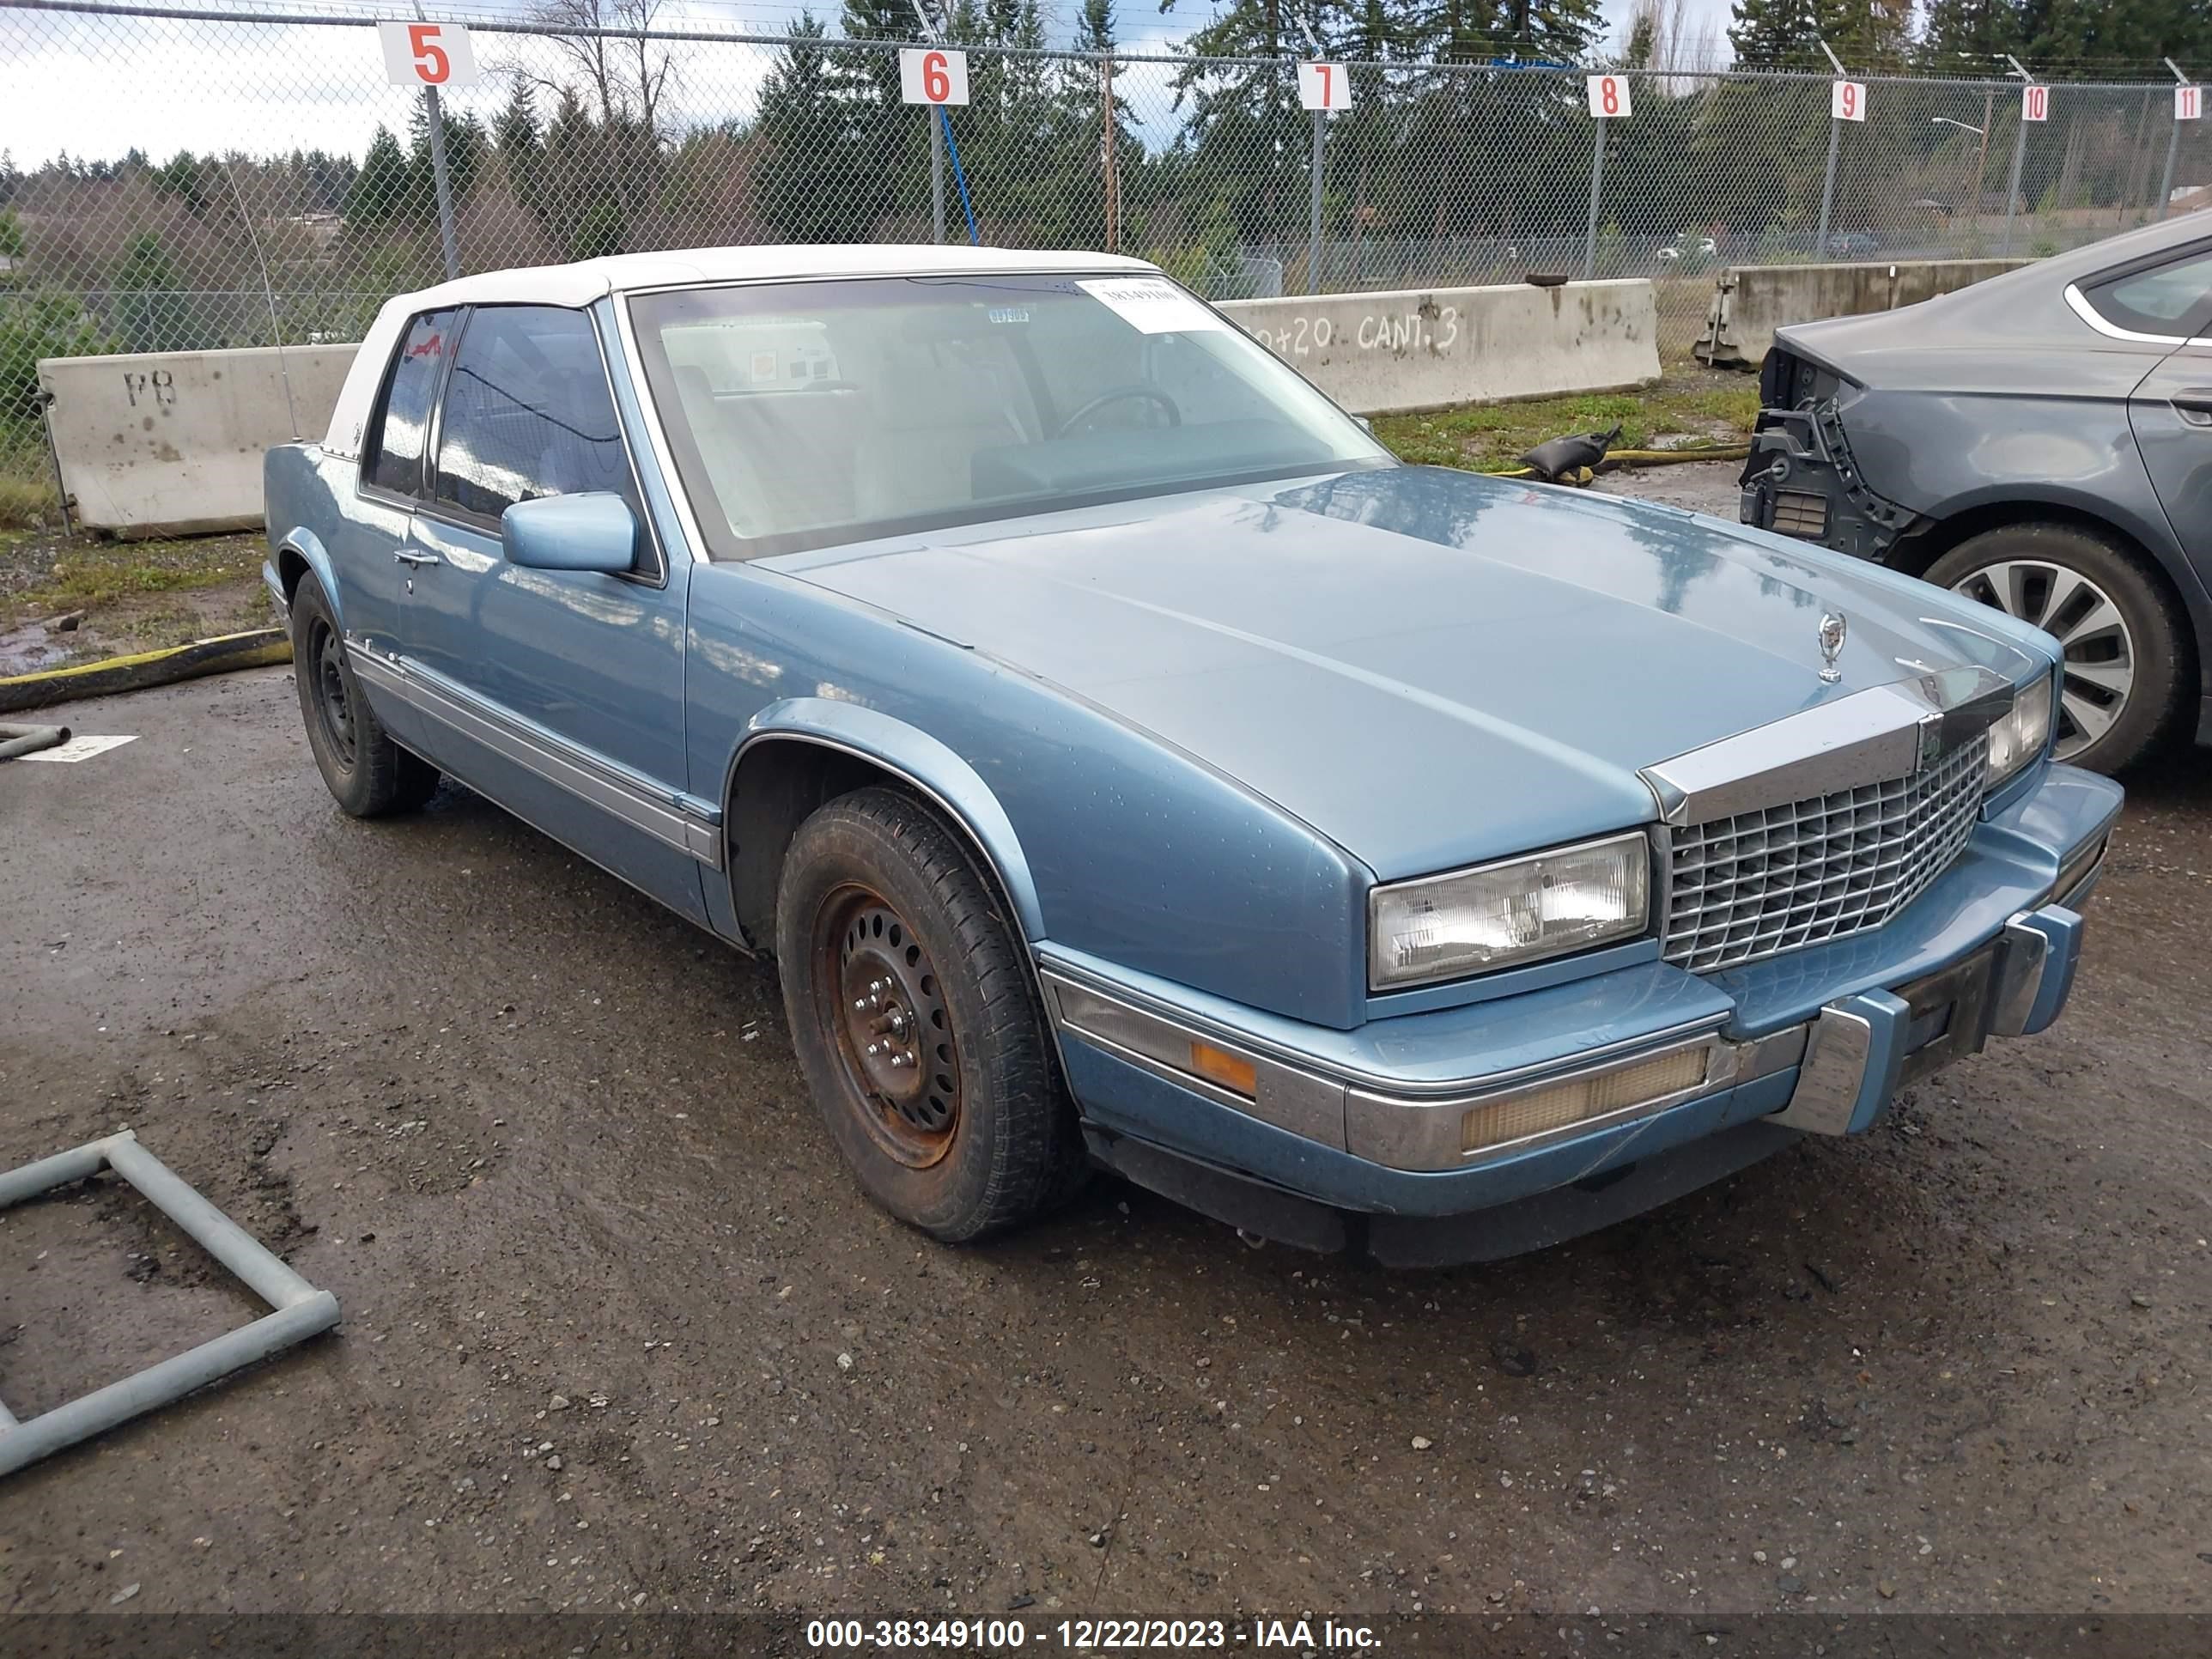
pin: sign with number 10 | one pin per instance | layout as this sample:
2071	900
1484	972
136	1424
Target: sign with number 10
1324	86
2035	103
428	54
1609	97
932	75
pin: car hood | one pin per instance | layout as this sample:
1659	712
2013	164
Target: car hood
1429	667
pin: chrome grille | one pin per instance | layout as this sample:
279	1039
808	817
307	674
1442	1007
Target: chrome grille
1751	886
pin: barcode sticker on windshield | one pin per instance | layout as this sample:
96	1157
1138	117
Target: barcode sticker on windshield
1151	305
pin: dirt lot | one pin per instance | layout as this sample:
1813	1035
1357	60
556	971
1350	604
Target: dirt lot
620	1333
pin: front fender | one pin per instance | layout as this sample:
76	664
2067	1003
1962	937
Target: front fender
924	762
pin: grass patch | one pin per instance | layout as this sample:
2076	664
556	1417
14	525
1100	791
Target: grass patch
100	572
1488	437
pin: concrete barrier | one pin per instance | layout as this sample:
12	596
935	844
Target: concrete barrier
170	443
1751	302
1414	348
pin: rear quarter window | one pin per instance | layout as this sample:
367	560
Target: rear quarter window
398	431
2173	299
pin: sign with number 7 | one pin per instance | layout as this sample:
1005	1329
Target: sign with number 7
1324	86
428	54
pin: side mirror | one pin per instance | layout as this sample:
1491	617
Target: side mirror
593	532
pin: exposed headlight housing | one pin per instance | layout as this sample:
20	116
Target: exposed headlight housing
2021	735
1508	914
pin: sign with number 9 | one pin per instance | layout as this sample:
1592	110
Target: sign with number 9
1847	101
428	54
1609	97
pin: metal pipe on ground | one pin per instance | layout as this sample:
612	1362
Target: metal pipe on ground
29	740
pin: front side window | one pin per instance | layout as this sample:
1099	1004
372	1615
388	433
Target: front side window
811	414
528	414
394	451
2173	299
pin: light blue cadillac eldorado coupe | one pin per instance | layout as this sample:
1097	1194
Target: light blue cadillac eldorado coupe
1128	763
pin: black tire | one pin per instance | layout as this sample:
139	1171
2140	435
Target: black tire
974	1133
2152	635
367	774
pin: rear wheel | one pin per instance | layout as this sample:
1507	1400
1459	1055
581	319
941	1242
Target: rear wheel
2126	651
912	1014
366	773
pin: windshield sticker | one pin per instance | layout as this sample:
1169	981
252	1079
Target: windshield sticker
1009	314
1151	305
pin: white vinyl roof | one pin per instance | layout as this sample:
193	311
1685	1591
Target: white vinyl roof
580	284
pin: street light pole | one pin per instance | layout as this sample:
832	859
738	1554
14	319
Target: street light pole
1974	202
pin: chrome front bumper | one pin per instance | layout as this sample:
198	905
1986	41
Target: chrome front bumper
1850	1060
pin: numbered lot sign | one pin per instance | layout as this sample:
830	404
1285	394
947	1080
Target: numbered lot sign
2035	103
931	74
1609	97
428	54
2189	103
1847	101
1324	86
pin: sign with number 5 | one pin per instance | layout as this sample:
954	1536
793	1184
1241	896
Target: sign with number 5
1324	86
931	74
1609	97
2035	103
1847	101
428	54
2189	103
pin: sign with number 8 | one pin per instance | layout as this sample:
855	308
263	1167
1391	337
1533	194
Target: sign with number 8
428	54
1609	97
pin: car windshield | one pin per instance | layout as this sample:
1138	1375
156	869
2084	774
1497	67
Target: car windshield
809	414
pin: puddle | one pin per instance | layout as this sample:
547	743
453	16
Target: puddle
33	647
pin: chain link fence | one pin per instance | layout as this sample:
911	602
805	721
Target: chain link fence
173	180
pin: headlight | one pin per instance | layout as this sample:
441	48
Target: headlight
2018	738
1504	914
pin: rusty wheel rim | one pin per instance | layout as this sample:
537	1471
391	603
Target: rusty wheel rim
894	1032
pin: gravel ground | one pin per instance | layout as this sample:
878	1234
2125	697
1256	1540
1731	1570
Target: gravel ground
619	1332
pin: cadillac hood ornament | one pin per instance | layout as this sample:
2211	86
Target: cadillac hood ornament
1833	629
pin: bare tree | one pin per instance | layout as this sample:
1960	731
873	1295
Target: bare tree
608	44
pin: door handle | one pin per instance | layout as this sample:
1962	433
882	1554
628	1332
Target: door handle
405	557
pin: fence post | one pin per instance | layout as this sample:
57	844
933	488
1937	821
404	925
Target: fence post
1110	171
437	125
2018	155
2172	151
1835	142
1597	188
1313	249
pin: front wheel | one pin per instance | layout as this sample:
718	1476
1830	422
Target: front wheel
915	1024
367	774
2126	654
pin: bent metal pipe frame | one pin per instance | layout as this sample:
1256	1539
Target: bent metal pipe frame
301	1310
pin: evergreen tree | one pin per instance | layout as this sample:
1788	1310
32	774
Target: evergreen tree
382	188
1778	34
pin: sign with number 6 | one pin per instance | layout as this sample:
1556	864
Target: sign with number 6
1324	86
428	54
1609	97
1847	101
932	75
2035	103
2189	103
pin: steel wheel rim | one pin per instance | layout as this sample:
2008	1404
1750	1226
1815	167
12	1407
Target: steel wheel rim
892	1029
332	703
2099	671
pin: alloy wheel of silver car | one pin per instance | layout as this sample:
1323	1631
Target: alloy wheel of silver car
2100	652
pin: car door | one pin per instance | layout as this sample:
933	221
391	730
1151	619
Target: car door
558	692
367	538
2170	302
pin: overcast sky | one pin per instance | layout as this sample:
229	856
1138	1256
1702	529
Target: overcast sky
98	86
